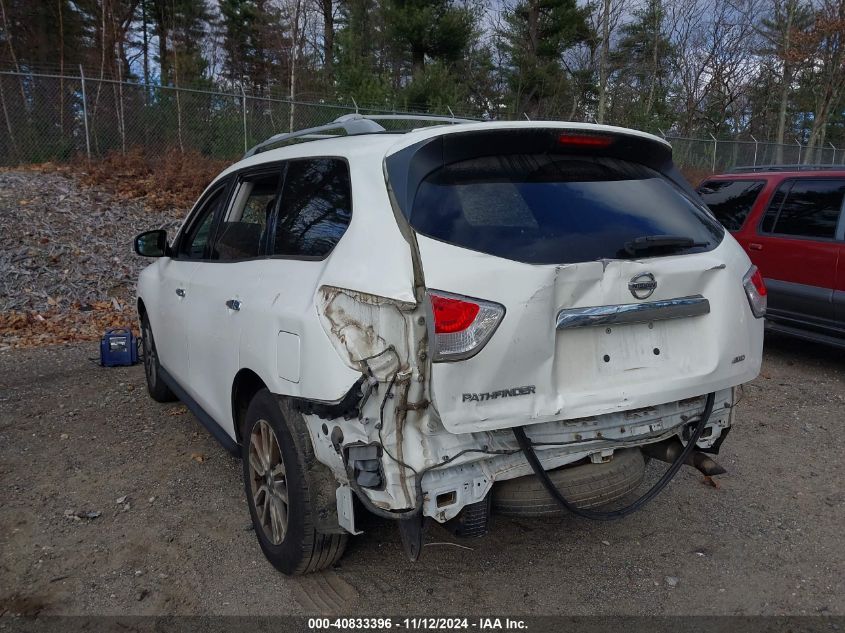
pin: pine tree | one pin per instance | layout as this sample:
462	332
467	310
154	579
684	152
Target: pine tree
181	27
534	39
362	71
436	30
642	57
253	55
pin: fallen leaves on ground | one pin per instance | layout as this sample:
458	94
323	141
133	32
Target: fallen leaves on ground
19	329
174	179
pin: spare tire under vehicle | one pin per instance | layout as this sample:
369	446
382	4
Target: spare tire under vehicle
586	486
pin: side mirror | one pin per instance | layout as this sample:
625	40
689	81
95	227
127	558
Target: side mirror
151	243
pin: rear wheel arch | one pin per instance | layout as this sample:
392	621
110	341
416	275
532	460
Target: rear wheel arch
249	387
313	538
156	385
247	383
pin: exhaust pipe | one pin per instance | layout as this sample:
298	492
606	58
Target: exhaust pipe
668	451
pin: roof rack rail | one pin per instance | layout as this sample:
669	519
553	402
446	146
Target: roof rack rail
352	124
750	169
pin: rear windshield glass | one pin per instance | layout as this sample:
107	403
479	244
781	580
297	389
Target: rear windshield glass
555	209
731	200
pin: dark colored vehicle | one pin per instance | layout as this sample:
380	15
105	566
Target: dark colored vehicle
791	222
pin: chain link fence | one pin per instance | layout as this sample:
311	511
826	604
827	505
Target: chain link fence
715	155
57	117
51	117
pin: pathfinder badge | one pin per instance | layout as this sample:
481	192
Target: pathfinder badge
504	393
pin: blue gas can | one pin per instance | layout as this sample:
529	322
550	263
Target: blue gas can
118	347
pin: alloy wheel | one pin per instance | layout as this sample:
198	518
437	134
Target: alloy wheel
149	355
268	483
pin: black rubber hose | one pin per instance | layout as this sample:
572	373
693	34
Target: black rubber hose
528	449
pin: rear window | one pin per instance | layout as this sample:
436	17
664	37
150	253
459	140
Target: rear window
557	209
316	207
731	200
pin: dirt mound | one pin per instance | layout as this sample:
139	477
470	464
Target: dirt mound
66	244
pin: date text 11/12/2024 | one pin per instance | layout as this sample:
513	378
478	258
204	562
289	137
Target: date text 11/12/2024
417	624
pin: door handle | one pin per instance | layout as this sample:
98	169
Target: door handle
180	292
755	247
233	304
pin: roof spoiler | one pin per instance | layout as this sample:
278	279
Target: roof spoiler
407	168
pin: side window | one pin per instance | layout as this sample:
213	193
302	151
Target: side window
775	204
195	242
731	200
244	231
805	208
316	207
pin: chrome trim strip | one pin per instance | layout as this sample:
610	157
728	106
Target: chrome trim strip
625	313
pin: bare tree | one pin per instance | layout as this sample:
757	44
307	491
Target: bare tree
657	34
608	21
297	18
713	61
12	56
826	77
327	8
779	29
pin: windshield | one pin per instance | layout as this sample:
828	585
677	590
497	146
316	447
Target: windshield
558	209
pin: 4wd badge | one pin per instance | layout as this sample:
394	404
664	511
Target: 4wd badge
642	286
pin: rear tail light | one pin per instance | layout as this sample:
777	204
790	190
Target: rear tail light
755	290
462	326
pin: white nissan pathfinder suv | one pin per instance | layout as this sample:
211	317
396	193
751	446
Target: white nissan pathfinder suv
449	321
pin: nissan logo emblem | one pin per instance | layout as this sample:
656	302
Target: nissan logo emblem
642	286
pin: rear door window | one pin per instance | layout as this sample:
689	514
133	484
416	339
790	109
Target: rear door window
557	209
805	208
731	200
243	235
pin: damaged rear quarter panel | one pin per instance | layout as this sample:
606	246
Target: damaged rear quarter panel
385	340
370	333
371	258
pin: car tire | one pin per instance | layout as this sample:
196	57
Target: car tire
585	486
158	390
277	457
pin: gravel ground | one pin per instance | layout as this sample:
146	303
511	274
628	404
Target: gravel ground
173	536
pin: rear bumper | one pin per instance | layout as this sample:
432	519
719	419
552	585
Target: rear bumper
468	479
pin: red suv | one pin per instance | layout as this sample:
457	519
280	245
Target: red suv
791	222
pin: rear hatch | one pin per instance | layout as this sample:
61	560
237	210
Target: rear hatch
571	273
